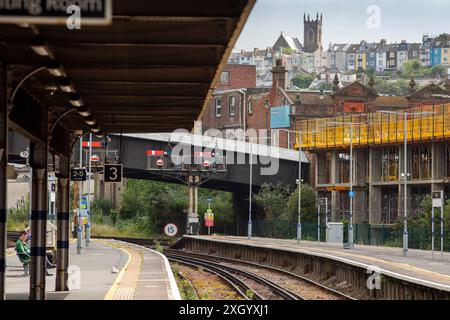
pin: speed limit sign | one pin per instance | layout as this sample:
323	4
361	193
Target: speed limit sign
170	230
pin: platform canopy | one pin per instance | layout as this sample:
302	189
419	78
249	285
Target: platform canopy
152	69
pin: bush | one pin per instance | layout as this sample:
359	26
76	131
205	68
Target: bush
308	203
101	207
19	217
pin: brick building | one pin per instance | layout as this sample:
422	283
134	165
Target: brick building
237	92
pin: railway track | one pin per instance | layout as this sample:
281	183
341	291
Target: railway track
234	276
217	260
183	277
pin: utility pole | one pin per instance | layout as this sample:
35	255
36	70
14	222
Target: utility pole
249	227
405	192
352	195
88	225
299	221
79	228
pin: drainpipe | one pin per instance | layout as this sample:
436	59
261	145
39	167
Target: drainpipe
244	109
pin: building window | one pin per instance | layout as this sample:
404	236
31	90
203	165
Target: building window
232	105
218	107
225	77
250	108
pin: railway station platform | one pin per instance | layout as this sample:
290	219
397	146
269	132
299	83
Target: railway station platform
107	270
418	269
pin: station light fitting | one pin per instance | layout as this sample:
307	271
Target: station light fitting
83	111
40	48
95	129
66	85
55	69
99	134
75	100
90	121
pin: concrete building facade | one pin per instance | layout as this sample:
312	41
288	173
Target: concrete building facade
378	152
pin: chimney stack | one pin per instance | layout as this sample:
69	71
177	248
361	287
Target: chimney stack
279	75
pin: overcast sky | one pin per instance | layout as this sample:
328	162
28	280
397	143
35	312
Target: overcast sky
346	20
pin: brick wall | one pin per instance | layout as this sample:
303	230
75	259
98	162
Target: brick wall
239	76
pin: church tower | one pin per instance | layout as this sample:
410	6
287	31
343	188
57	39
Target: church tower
312	37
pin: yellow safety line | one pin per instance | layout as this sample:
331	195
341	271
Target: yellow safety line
110	294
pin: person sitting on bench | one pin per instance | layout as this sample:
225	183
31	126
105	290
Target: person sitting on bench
23	252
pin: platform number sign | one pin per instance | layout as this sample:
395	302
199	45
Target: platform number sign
113	172
78	174
170	230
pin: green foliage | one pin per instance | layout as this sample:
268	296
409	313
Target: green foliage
438	71
288	51
18	217
147	205
398	88
370	73
326	86
222	205
272	198
302	81
308	203
413	68
250	294
101	207
419	226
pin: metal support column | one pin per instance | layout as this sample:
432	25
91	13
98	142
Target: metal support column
62	220
39	204
191	205
3	177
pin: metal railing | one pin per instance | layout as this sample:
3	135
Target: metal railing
423	123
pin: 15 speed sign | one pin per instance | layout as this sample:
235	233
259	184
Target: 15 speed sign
170	230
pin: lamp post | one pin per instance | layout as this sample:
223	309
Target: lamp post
351	193
79	228
404	175
299	183
249	225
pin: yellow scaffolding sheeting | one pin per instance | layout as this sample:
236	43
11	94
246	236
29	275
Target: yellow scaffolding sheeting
423	123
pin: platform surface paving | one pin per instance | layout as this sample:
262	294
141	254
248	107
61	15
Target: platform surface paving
108	269
419	266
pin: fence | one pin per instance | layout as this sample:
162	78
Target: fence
423	123
381	235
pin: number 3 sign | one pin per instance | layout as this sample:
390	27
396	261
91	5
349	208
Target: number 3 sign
113	172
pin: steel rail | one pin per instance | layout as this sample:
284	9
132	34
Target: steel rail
286	294
294	275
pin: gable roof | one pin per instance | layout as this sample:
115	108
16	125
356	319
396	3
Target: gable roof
356	89
288	42
427	92
310	97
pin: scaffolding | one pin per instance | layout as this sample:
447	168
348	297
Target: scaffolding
430	122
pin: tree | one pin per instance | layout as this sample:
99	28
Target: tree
419	226
272	198
326	86
398	88
302	81
438	71
370	73
308	203
288	51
